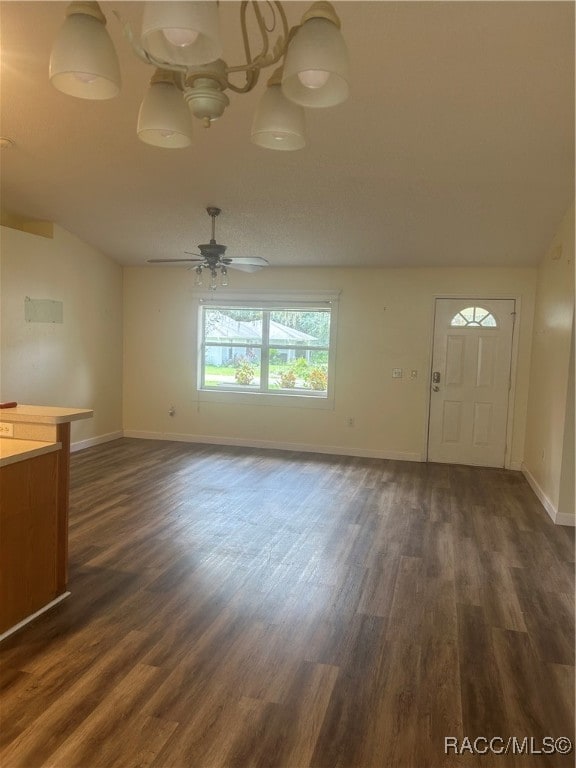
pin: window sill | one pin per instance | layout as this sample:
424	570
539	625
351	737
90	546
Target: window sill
299	400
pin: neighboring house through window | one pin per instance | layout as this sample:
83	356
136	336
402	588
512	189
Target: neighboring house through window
276	349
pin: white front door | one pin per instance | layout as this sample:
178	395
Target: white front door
470	381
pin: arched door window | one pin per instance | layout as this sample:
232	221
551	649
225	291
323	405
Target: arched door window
473	317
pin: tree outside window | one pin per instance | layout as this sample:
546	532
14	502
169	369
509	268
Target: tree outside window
281	350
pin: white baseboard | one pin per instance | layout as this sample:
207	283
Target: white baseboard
516	466
81	444
559	518
337	450
33	616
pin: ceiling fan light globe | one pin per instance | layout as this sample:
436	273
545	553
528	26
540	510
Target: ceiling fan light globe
83	62
313	78
85	77
317	46
185	33
180	37
164	119
278	123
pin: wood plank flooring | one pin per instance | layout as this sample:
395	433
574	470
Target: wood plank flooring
234	607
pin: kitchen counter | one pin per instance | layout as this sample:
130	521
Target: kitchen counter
12	450
34	486
43	414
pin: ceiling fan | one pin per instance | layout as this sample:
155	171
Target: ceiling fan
212	258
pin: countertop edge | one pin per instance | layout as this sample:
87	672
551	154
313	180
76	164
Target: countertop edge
36	414
29	450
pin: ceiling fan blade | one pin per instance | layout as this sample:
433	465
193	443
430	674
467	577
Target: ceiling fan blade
194	254
171	261
246	267
247	264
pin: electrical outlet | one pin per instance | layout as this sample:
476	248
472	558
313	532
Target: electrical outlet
396	373
350	421
6	429
413	374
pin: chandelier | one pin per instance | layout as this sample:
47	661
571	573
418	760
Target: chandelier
181	40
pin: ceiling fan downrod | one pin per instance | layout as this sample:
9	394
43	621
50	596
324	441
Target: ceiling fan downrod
213	212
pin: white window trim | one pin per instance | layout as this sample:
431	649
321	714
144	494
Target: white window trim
270	300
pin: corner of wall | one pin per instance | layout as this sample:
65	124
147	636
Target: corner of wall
548	462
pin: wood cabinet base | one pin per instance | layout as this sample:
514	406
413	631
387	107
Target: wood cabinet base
32	538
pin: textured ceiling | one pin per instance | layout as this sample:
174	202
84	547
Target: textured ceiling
456	146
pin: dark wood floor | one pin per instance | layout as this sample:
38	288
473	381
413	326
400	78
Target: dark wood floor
235	607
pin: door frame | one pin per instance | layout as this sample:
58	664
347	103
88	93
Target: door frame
478	297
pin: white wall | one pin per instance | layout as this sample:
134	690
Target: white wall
385	322
566	499
548	445
77	363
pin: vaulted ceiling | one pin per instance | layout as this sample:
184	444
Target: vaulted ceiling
455	147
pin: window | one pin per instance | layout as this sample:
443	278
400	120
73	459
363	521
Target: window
473	316
275	349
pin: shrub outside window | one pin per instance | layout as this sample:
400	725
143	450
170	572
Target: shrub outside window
271	350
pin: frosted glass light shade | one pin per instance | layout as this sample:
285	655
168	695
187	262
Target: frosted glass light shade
83	62
278	123
164	119
180	37
313	78
318	46
197	22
